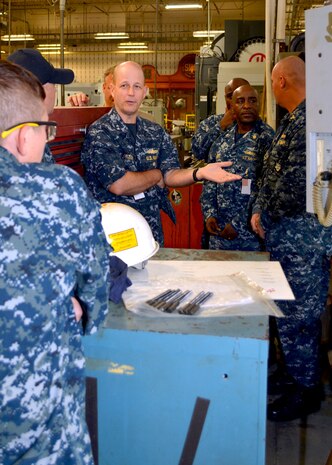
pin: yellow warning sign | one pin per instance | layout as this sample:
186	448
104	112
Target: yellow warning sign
123	240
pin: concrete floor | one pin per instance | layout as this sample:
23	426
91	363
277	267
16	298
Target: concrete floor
306	442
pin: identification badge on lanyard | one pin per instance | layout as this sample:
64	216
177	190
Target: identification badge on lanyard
246	186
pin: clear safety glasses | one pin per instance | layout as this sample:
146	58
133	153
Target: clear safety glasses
49	125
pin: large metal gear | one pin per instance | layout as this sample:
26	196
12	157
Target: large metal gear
298	43
251	50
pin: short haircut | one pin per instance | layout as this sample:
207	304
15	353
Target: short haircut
21	96
125	63
108	71
239	89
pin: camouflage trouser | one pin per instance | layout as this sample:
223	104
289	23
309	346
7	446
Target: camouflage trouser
248	244
303	248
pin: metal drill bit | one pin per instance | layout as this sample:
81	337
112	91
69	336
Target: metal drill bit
193	306
159	297
196	306
174	303
160	304
192	302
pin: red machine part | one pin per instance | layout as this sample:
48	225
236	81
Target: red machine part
72	126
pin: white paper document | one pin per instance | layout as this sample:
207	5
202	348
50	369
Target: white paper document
268	275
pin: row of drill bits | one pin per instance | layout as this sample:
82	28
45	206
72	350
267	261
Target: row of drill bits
169	301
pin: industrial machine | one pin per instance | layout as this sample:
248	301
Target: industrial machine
92	90
253	71
242	43
153	109
318	47
206	72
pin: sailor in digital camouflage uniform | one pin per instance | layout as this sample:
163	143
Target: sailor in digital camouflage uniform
110	150
227	207
212	127
296	239
130	160
32	60
53	259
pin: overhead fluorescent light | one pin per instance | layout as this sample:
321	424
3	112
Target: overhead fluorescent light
206	33
124	47
131	51
53	52
133	45
183	6
49	46
111	35
17	37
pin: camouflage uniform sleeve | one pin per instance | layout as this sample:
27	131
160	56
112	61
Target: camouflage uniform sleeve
102	156
168	157
208	131
264	145
92	288
257	206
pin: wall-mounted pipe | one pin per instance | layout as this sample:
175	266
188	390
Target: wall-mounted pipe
269	22
156	54
62	45
280	26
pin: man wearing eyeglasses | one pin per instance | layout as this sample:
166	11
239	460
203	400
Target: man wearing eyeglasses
212	127
52	248
33	61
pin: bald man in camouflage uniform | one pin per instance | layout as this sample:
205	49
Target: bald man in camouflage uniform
227	207
300	243
110	150
212	127
54	261
131	160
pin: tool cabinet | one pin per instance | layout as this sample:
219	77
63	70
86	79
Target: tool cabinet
168	392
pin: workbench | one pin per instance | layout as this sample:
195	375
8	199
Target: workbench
169	392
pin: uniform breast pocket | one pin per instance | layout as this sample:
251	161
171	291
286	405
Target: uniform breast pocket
250	160
149	159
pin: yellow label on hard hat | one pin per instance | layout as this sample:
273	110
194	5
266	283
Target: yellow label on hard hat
123	240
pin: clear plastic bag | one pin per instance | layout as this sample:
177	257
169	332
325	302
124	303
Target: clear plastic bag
235	294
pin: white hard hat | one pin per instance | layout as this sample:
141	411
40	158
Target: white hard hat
128	232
